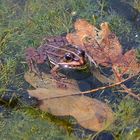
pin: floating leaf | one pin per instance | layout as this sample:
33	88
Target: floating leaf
46	87
83	29
52	92
101	45
127	64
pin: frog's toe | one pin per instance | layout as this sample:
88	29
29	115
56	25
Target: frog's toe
61	85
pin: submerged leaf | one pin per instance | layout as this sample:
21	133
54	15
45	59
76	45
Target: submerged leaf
52	92
89	113
46	81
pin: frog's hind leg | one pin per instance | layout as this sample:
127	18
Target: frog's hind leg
48	63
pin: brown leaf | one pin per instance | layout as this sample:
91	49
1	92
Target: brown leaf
46	81
52	92
88	28
127	64
83	29
47	87
90	113
103	32
73	38
111	46
101	45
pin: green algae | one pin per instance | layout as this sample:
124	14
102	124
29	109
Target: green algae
23	26
127	119
17	125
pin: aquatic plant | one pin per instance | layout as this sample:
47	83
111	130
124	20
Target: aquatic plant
24	24
127	119
20	125
136	5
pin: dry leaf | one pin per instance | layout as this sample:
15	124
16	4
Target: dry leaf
83	30
127	64
88	28
103	33
110	43
100	45
74	39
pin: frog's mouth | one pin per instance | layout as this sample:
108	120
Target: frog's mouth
81	67
75	64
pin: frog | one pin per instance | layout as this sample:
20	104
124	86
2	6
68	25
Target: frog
59	53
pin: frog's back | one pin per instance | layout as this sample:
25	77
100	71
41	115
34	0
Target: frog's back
56	48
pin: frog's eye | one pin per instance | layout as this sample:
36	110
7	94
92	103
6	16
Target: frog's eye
81	52
69	56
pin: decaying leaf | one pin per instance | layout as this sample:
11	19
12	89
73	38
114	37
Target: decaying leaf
101	45
83	29
89	28
89	113
46	81
127	64
52	92
103	32
111	46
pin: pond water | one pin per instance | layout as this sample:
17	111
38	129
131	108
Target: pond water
24	24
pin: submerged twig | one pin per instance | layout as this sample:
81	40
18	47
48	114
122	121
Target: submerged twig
129	91
98	89
116	84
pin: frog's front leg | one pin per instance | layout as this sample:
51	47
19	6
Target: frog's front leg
60	80
54	72
56	68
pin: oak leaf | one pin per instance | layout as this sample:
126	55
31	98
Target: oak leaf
127	64
83	30
101	45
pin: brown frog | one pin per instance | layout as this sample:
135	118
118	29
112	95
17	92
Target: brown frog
59	53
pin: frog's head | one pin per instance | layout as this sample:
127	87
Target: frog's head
73	60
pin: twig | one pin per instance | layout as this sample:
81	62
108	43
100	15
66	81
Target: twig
94	90
129	91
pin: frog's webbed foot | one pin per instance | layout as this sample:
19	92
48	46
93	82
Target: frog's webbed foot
60	84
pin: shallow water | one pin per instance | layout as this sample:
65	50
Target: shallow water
24	23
